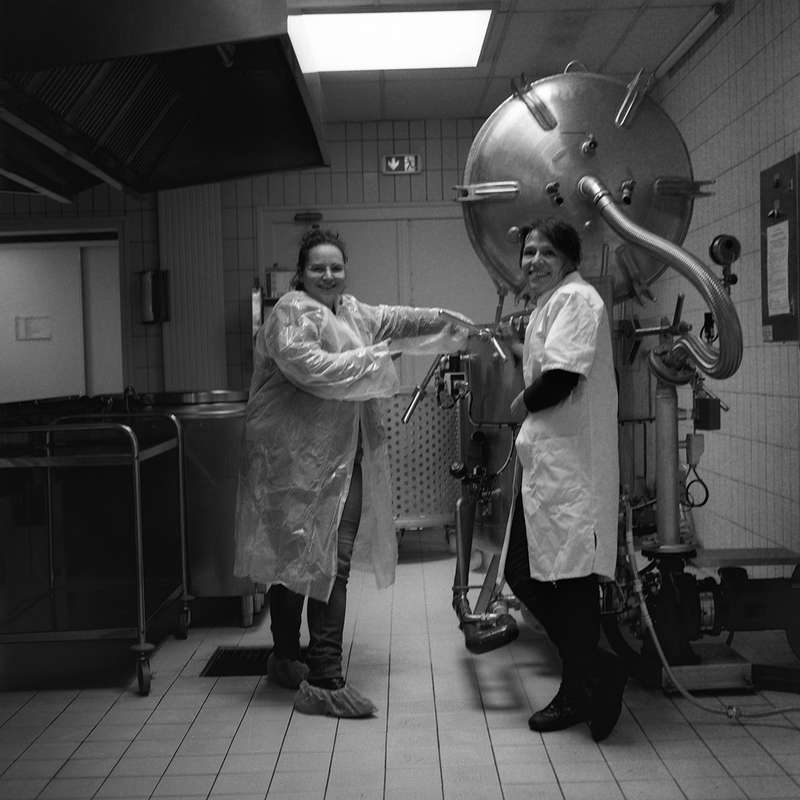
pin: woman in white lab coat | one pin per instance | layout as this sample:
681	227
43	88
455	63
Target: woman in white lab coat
315	470
563	531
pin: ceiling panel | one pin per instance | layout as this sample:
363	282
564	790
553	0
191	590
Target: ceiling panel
543	43
351	100
536	38
434	98
652	38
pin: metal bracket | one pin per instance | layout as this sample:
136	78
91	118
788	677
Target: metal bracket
492	190
538	108
637	91
682	187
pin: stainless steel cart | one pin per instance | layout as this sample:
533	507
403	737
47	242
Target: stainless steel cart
114	530
212	421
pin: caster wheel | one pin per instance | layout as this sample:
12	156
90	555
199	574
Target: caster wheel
143	676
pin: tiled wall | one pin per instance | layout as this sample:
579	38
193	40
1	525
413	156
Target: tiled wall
353	178
736	102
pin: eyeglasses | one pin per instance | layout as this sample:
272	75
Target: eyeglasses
321	269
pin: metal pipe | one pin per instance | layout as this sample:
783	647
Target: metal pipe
419	390
667	512
718	364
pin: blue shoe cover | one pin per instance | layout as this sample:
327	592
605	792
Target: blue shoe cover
344	702
286	672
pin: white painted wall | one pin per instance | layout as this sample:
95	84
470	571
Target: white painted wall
41	323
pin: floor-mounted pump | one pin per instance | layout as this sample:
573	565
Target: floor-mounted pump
607	159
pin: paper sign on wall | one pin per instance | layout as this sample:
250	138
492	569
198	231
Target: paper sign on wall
27	328
778	269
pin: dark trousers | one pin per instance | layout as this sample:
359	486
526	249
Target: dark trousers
569	609
325	620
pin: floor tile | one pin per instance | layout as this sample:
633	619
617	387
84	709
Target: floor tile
450	725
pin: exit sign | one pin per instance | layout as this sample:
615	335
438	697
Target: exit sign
401	164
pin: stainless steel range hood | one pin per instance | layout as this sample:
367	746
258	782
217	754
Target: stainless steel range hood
149	95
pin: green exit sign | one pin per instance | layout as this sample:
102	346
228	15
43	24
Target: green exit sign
401	164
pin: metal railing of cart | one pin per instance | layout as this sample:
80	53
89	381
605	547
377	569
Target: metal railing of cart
105	440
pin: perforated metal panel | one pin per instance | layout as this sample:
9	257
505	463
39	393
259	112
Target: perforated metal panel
421	451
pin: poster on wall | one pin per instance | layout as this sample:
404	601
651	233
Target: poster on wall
780	268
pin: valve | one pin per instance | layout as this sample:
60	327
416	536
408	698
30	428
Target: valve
709	330
458	469
589	145
626	191
555	197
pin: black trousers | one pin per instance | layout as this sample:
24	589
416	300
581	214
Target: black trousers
325	620
569	610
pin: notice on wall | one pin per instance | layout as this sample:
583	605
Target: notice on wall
778	269
28	328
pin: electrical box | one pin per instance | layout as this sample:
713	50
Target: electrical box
154	295
779	256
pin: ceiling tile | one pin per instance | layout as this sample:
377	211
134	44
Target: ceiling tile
351	100
433	98
653	37
540	44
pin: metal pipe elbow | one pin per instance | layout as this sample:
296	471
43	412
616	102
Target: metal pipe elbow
716	363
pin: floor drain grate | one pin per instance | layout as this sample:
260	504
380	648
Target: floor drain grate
231	661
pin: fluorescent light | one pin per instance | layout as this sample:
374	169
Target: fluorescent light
388	40
688	41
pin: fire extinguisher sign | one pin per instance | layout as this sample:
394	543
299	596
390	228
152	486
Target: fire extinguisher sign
401	164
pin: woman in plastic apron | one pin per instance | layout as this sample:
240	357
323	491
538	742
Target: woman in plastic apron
314	486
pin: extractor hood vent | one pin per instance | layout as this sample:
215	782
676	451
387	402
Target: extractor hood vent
145	117
116	106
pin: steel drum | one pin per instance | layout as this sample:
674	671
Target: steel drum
526	160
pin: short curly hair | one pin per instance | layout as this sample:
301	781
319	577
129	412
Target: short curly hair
311	239
559	233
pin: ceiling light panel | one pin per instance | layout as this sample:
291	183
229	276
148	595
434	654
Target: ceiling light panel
388	40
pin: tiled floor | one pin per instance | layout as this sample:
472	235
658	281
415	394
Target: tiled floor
450	724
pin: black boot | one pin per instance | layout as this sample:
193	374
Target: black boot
606	688
563	711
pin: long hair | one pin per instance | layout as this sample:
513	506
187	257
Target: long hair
310	240
559	233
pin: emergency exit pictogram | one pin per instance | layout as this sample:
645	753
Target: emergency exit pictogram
401	164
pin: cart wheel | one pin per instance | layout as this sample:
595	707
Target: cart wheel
184	621
143	676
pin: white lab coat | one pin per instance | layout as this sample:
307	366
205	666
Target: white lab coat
567	454
317	376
